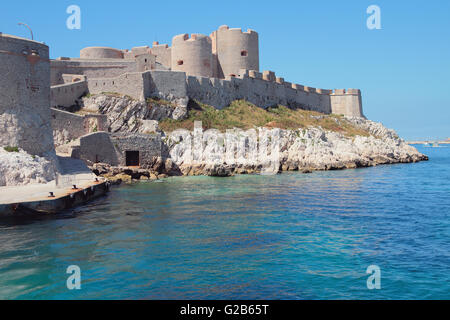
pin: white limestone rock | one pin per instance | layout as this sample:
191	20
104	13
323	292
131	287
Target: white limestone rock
20	168
301	149
128	115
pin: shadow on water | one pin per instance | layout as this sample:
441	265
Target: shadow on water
27	219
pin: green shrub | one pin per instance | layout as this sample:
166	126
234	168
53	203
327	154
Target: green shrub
11	149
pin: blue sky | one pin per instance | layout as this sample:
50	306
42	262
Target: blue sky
402	70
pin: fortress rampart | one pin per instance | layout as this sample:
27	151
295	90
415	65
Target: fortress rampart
131	84
25	95
141	85
65	95
90	68
215	70
250	86
253	88
99	68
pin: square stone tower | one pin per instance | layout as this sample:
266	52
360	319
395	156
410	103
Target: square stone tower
25	95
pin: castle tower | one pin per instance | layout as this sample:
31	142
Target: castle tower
25	95
234	50
163	54
101	53
192	55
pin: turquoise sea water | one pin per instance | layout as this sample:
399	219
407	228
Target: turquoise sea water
291	236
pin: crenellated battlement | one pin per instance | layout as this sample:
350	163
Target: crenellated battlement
346	92
156	44
255	74
279	80
269	76
185	37
225	28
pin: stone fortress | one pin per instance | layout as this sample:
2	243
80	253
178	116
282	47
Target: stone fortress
36	92
214	70
57	117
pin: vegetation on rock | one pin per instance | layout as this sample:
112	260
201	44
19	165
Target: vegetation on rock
244	115
11	149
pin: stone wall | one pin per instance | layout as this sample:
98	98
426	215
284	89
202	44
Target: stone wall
70	78
25	95
262	89
131	84
97	147
141	85
102	147
166	84
148	145
163	54
65	95
68	126
106	68
220	93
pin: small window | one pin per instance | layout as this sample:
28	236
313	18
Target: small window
145	60
180	62
244	53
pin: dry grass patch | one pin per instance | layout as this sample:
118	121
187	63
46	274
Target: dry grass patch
244	115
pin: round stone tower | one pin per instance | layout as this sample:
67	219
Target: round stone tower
192	55
234	50
101	53
25	119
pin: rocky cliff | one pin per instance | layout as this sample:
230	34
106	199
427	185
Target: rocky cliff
298	150
128	115
304	140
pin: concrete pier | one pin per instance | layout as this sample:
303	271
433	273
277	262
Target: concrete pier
55	196
36	199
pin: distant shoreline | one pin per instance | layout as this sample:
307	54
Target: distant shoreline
429	142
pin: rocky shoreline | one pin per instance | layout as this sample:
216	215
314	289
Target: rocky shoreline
306	141
303	150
